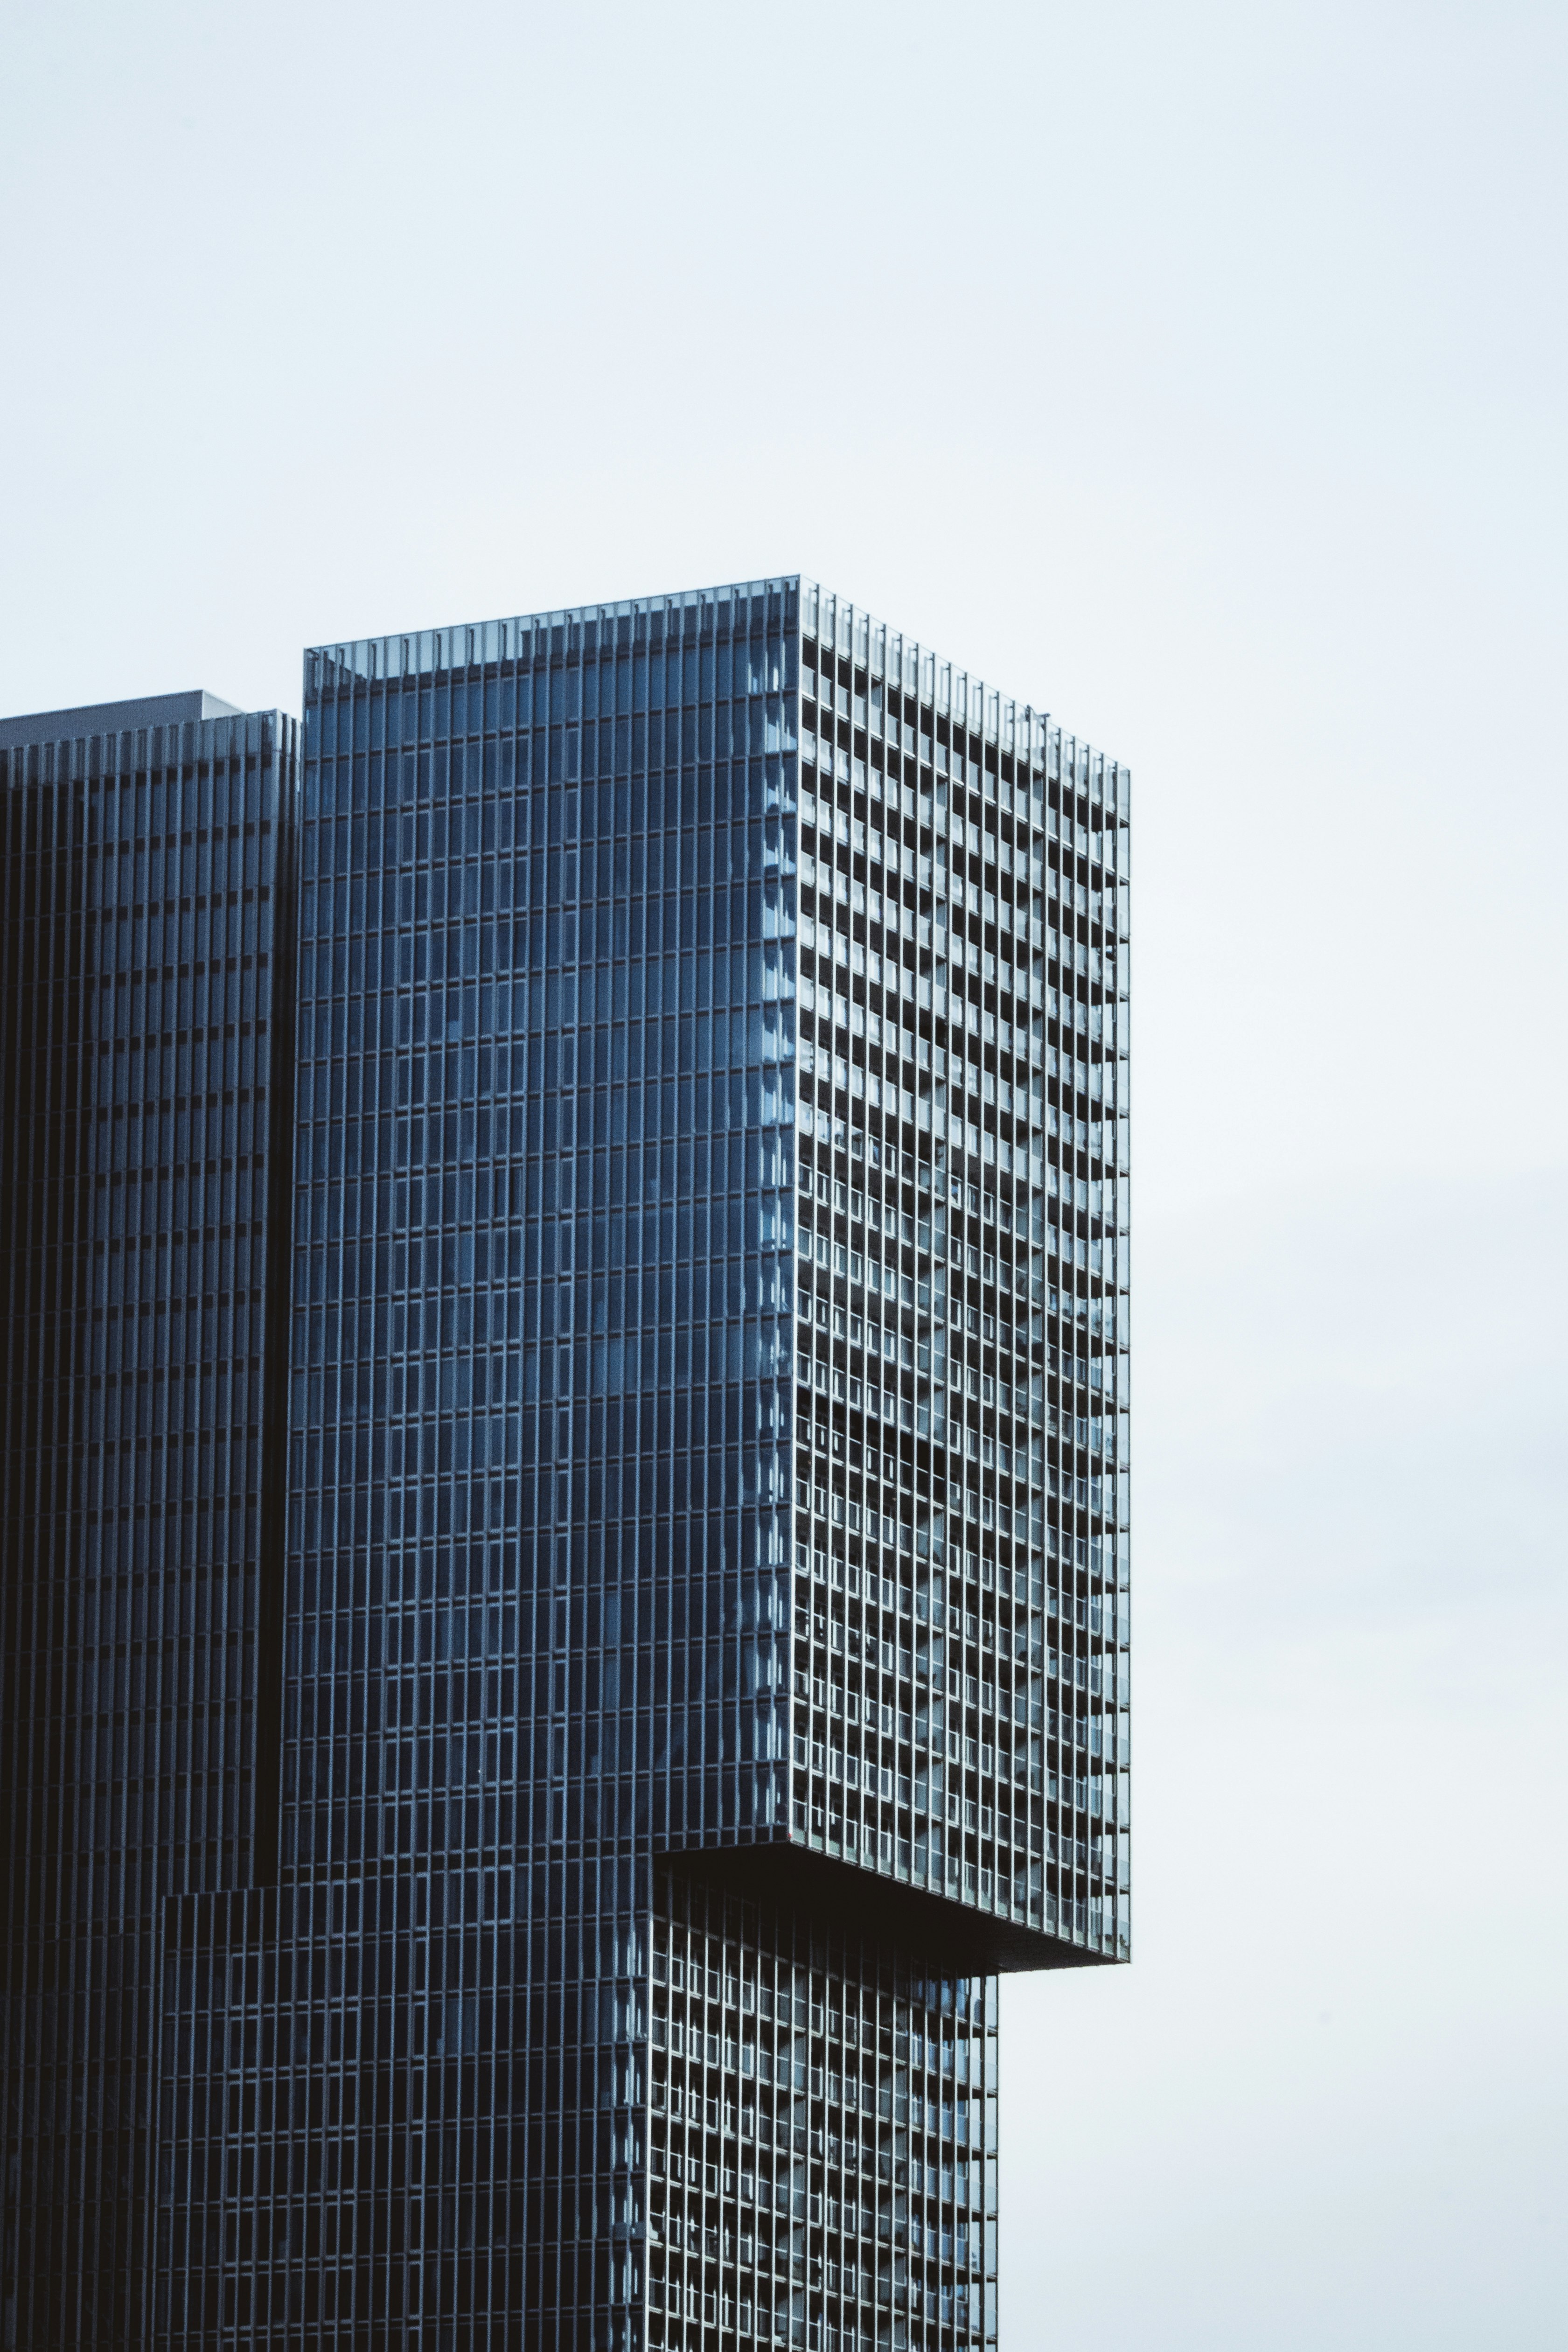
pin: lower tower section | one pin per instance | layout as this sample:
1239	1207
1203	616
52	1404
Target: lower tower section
822	2134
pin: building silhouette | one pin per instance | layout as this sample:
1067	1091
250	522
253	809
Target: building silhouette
691	1635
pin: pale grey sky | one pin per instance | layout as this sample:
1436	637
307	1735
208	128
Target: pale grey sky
1198	373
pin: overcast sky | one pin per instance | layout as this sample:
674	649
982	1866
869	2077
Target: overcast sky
1197	373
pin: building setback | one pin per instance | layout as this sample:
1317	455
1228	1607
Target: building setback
702	1614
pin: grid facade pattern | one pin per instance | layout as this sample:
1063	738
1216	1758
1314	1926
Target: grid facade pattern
822	2136
698	1470
146	884
961	1474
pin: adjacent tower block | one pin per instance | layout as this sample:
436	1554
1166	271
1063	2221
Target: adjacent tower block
146	942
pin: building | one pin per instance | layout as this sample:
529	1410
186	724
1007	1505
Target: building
145	984
703	1644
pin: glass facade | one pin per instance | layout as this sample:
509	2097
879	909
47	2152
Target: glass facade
962	975
540	1432
703	1644
145	983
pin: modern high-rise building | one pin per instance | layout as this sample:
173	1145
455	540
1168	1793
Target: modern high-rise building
146	913
702	1623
